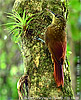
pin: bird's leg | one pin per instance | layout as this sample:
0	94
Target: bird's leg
20	86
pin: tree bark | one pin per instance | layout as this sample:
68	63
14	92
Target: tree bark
37	59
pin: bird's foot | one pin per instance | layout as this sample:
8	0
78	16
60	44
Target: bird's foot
39	39
22	84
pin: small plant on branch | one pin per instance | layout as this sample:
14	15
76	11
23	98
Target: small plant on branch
19	25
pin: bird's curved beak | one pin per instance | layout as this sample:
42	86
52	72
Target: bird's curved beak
50	11
53	14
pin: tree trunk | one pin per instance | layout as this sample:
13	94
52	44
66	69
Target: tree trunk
37	59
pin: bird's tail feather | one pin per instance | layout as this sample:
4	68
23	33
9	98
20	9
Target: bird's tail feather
58	74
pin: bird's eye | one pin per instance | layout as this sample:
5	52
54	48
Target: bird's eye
58	16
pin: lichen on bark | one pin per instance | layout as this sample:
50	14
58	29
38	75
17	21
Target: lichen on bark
37	59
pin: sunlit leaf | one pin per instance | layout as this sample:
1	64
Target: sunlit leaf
3	65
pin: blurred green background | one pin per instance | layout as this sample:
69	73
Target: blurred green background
11	63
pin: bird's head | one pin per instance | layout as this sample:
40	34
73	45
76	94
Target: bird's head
57	19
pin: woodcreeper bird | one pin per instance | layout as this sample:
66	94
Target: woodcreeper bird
55	38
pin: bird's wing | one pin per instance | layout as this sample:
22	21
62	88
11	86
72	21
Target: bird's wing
58	50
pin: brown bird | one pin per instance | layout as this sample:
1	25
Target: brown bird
55	38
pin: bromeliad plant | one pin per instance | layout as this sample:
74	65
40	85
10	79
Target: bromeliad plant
19	25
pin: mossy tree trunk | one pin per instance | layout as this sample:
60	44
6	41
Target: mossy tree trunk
37	60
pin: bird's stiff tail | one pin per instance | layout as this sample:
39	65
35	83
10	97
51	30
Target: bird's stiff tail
58	74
